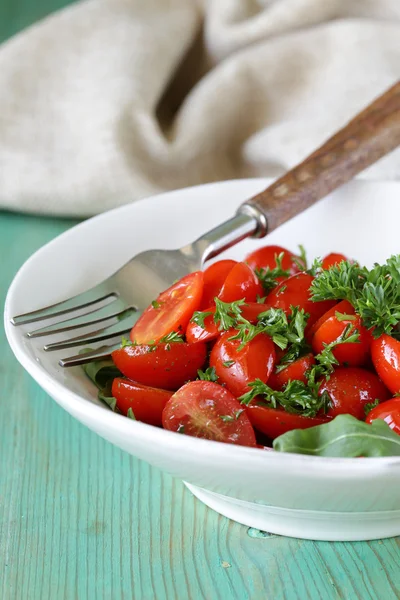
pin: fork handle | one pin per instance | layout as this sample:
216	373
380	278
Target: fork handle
373	133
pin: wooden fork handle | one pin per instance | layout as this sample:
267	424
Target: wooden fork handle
373	133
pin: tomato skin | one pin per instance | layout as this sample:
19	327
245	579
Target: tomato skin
195	333
274	422
334	258
350	389
385	354
147	403
197	408
167	366
265	257
352	354
255	361
295	291
388	411
295	370
343	307
241	284
214	278
176	306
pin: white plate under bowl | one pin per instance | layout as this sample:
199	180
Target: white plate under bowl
308	497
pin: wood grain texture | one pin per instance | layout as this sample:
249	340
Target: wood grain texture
81	520
369	136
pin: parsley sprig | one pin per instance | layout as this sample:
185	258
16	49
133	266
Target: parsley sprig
299	397
374	293
268	276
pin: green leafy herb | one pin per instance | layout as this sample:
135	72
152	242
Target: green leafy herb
130	414
173	337
200	316
261	299
102	373
343	317
126	342
181	428
208	375
370	405
227	313
228	363
295	398
156	304
301	261
269	276
230	418
316	267
374	293
344	436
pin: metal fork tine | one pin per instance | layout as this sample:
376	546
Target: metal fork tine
79	322
80	301
82	340
81	359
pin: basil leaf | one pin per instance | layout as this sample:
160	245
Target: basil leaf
344	436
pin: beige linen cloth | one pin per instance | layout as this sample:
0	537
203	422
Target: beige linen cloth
109	101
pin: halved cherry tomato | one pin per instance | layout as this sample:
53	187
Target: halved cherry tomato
274	422
171	311
295	291
343	307
334	258
350	389
353	354
214	278
196	333
165	366
295	370
236	368
385	353
207	410
147	403
265	257
241	284
388	411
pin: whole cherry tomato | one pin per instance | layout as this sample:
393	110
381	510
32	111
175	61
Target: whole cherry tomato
236	368
274	422
171	311
265	258
207	410
197	333
147	403
331	326
388	411
295	370
350	389
334	258
241	283
165	366
295	291
385	353
214	278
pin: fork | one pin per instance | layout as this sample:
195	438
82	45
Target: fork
114	305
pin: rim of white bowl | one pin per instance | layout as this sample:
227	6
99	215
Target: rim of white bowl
349	467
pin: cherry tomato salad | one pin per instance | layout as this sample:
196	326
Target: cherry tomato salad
268	352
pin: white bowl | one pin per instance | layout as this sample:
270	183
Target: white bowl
288	494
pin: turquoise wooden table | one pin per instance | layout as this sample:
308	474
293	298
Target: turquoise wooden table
79	519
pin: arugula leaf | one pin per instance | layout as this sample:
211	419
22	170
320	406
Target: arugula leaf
102	373
208	375
344	436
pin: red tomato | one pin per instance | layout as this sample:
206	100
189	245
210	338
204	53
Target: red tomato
214	278
147	403
343	307
389	412
241	283
350	389
196	333
265	257
295	370
333	258
385	353
207	410
163	366
236	368
274	422
171	311
351	354
295	291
